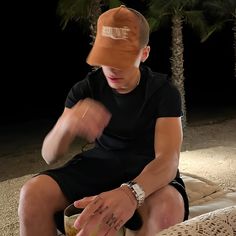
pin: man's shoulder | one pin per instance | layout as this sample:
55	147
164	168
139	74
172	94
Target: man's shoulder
154	80
95	78
90	80
151	74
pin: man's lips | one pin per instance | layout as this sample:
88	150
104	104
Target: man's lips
114	79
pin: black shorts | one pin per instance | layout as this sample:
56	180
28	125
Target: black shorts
97	170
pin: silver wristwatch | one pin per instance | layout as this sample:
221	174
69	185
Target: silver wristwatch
137	191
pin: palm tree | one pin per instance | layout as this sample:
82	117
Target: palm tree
84	11
221	12
176	13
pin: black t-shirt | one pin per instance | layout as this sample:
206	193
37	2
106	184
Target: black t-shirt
132	126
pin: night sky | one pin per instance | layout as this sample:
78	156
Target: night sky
40	63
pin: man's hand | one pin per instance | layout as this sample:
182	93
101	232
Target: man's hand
86	119
105	213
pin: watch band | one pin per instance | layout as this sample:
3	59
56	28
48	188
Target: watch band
137	190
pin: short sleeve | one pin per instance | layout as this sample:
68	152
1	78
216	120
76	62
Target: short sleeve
169	104
79	91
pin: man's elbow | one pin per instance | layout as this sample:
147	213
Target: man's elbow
175	165
49	158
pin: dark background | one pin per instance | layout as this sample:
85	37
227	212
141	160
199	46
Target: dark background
40	62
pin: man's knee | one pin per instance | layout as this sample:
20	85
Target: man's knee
40	194
168	214
29	200
165	208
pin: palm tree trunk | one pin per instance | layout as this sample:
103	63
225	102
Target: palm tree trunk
177	61
234	30
95	13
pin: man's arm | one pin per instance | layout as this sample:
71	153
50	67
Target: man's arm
86	119
162	170
57	141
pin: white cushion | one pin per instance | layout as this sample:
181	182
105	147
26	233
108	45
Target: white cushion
206	196
220	222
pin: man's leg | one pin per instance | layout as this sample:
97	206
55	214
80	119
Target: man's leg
40	198
161	210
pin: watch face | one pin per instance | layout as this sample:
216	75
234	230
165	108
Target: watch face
137	191
136	188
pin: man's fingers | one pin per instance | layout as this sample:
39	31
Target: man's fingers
102	223
88	212
110	225
82	203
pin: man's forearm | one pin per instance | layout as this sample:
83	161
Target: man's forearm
56	144
157	174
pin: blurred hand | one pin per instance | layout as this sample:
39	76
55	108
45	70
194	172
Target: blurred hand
86	119
105	213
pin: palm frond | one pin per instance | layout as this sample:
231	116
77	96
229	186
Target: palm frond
197	21
220	9
211	29
74	10
114	3
186	5
159	7
154	23
157	23
234	14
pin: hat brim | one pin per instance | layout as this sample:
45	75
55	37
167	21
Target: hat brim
119	59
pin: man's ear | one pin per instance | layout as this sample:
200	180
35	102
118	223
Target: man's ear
145	53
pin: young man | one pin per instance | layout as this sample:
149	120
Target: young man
131	176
